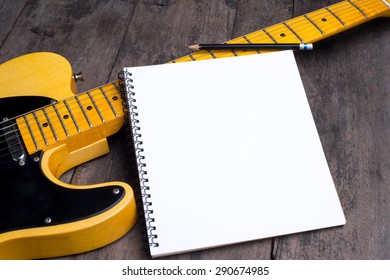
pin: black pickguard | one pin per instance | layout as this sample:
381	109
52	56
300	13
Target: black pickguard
28	199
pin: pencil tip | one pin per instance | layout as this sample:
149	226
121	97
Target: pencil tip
194	47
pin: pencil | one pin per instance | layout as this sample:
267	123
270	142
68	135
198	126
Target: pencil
292	46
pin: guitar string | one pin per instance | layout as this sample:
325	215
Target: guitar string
94	93
370	6
40	115
30	139
279	26
35	126
56	122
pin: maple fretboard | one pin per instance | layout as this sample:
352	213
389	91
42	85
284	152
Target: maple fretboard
309	28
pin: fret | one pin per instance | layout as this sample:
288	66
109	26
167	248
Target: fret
260	36
203	55
60	118
241	40
117	95
357	8
372	9
270	36
96	107
38	137
114	95
199	55
72	116
336	16
105	102
234	52
326	21
282	34
76	122
308	31
314	24
50	124
347	13
249	41
83	111
30	130
37	130
40	128
109	102
55	123
293	31
211	53
45	127
65	117
192	57
92	116
185	58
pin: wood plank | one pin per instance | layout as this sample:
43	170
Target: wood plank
347	86
9	13
170	29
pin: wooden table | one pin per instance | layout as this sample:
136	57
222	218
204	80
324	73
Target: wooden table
346	77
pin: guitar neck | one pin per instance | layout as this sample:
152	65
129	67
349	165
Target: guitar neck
308	28
77	121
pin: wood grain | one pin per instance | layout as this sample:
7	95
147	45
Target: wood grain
346	79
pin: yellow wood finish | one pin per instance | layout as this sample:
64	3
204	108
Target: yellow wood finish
37	74
69	132
77	121
308	28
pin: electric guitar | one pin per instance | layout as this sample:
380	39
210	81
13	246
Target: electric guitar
47	128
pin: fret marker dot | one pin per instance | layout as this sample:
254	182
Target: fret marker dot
282	35
66	117
89	108
45	124
115	98
324	19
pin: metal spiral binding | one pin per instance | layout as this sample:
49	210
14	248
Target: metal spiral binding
130	100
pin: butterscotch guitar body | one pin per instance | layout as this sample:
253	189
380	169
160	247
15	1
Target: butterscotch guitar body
40	216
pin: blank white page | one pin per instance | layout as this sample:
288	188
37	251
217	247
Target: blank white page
232	152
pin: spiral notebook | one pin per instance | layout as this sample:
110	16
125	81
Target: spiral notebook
227	152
